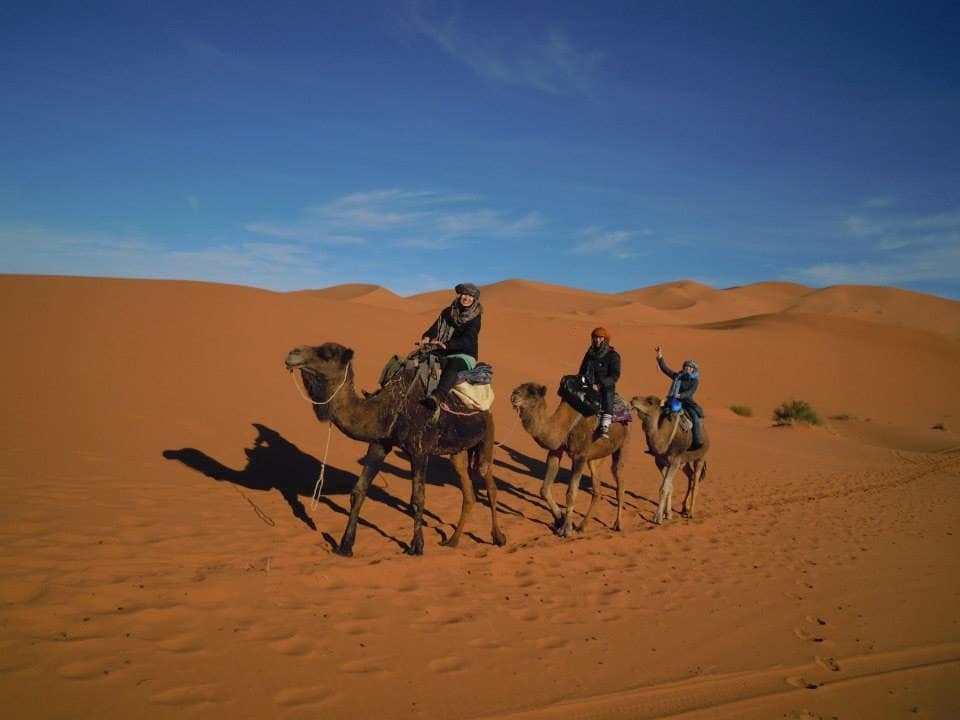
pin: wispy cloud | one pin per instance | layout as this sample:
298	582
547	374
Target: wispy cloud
404	218
878	202
903	249
936	264
280	266
552	63
597	241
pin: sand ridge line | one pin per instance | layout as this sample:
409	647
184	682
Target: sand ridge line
669	700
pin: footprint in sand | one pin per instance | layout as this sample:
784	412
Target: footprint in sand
353	627
181	644
190	695
800	682
484	643
828	663
550	643
445	664
293	647
297	697
363	666
524	614
87	669
809	637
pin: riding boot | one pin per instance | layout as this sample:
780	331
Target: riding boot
697	431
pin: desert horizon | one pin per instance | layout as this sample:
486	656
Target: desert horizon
163	555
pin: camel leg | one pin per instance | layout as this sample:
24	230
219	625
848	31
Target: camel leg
546	490
615	466
567	529
461	465
666	492
699	468
486	470
371	466
594	466
688	471
418	464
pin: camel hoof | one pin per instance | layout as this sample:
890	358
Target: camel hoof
616	526
451	543
344	551
499	539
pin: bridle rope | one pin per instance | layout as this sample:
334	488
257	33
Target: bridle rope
346	372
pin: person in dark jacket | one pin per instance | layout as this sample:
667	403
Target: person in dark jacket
454	337
685	384
600	368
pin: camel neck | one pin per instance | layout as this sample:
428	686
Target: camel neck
550	432
364	419
656	435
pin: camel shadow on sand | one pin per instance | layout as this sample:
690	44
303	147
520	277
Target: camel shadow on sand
275	463
535	468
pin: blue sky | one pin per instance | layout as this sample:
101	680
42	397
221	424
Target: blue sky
603	145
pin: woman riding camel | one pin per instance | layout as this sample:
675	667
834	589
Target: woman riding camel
454	337
685	384
600	368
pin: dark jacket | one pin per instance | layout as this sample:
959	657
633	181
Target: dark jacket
603	371
688	386
465	339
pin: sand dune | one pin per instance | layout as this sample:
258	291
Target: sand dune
161	556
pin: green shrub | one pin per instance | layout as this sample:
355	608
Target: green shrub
742	410
842	417
796	411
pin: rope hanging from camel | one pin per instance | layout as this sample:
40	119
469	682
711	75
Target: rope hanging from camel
318	487
346	372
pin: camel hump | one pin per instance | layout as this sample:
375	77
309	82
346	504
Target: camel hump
393	367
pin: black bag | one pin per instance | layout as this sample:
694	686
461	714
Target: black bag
579	395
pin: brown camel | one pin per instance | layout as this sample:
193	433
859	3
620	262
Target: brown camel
567	431
669	444
394	417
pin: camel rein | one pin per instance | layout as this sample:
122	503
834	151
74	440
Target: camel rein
318	487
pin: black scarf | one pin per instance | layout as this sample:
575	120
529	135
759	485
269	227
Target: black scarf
459	316
595	353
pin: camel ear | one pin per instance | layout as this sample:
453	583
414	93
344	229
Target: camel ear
347	355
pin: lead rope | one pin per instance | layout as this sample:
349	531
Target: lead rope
318	487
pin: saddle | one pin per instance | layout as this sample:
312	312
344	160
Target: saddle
473	390
686	421
586	401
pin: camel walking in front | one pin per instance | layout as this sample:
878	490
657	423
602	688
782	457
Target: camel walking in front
669	444
567	431
395	417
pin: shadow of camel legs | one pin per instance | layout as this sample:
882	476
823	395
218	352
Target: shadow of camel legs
272	463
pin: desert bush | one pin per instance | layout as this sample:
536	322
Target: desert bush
742	410
796	411
939	426
843	417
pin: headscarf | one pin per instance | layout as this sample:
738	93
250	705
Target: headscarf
459	315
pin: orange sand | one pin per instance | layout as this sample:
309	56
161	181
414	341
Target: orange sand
157	562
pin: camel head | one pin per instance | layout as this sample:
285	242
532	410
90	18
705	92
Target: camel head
645	406
323	370
528	396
